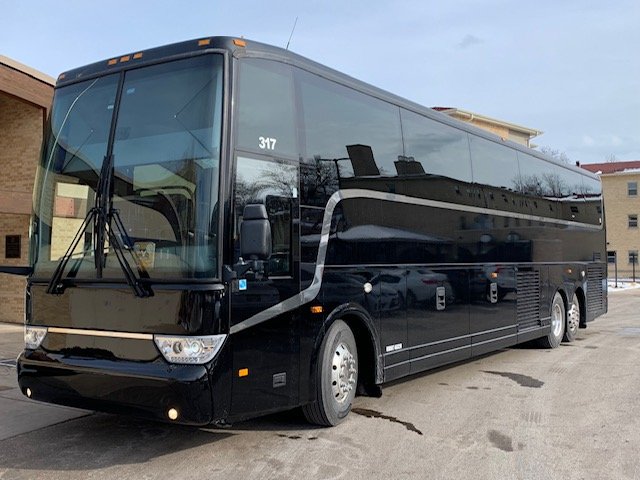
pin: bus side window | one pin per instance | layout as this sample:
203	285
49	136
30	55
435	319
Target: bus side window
272	183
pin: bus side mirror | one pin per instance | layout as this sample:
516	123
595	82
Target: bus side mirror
255	233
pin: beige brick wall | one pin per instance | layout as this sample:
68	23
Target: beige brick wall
21	127
618	206
20	138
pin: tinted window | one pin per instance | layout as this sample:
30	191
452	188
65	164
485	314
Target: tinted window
591	186
355	131
548	179
266	120
439	149
274	185
570	183
532	169
494	164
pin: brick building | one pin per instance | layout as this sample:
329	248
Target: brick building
620	181
25	97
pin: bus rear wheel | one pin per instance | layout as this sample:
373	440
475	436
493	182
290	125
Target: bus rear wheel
336	377
558	322
573	320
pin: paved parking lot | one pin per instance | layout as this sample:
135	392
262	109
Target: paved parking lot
568	413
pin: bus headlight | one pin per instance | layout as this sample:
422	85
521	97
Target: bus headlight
192	350
33	336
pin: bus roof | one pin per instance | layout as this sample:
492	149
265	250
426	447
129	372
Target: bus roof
240	47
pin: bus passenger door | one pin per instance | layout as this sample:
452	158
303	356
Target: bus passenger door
265	342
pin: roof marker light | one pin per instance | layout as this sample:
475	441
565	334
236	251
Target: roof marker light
138	55
126	58
113	61
239	42
204	42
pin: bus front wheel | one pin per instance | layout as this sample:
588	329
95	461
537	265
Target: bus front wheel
336	377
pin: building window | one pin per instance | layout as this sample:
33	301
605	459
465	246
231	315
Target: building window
632	189
611	256
633	256
633	221
12	246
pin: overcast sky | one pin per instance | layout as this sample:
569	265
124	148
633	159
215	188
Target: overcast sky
568	68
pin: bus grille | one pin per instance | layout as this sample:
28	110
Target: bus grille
595	297
528	304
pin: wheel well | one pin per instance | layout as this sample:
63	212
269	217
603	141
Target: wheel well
583	309
366	352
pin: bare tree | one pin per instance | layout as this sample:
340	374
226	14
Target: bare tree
611	158
555	153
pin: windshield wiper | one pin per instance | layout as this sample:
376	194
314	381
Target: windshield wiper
56	285
105	219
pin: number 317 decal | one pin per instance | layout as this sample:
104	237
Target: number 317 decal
267	143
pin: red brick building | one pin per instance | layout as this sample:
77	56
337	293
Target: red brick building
25	98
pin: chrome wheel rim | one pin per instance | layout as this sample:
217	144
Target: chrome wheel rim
573	318
343	373
557	319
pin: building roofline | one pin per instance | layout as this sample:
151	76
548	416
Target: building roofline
532	132
31	72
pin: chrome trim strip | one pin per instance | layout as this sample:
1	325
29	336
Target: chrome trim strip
532	329
494	340
462	337
428	356
309	293
423	357
100	333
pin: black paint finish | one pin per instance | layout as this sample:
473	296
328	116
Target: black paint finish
442	267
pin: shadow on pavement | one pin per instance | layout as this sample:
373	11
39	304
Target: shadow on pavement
100	441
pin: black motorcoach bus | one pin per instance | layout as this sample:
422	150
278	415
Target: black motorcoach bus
224	229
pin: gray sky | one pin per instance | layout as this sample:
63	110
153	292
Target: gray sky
570	68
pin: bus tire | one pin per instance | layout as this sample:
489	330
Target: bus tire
336	377
558	322
573	320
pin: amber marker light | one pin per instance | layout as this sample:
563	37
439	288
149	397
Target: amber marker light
243	372
138	55
494	274
126	58
239	42
317	309
113	61
204	42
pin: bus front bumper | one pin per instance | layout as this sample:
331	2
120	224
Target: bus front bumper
145	389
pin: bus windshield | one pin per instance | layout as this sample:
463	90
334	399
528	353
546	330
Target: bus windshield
161	127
